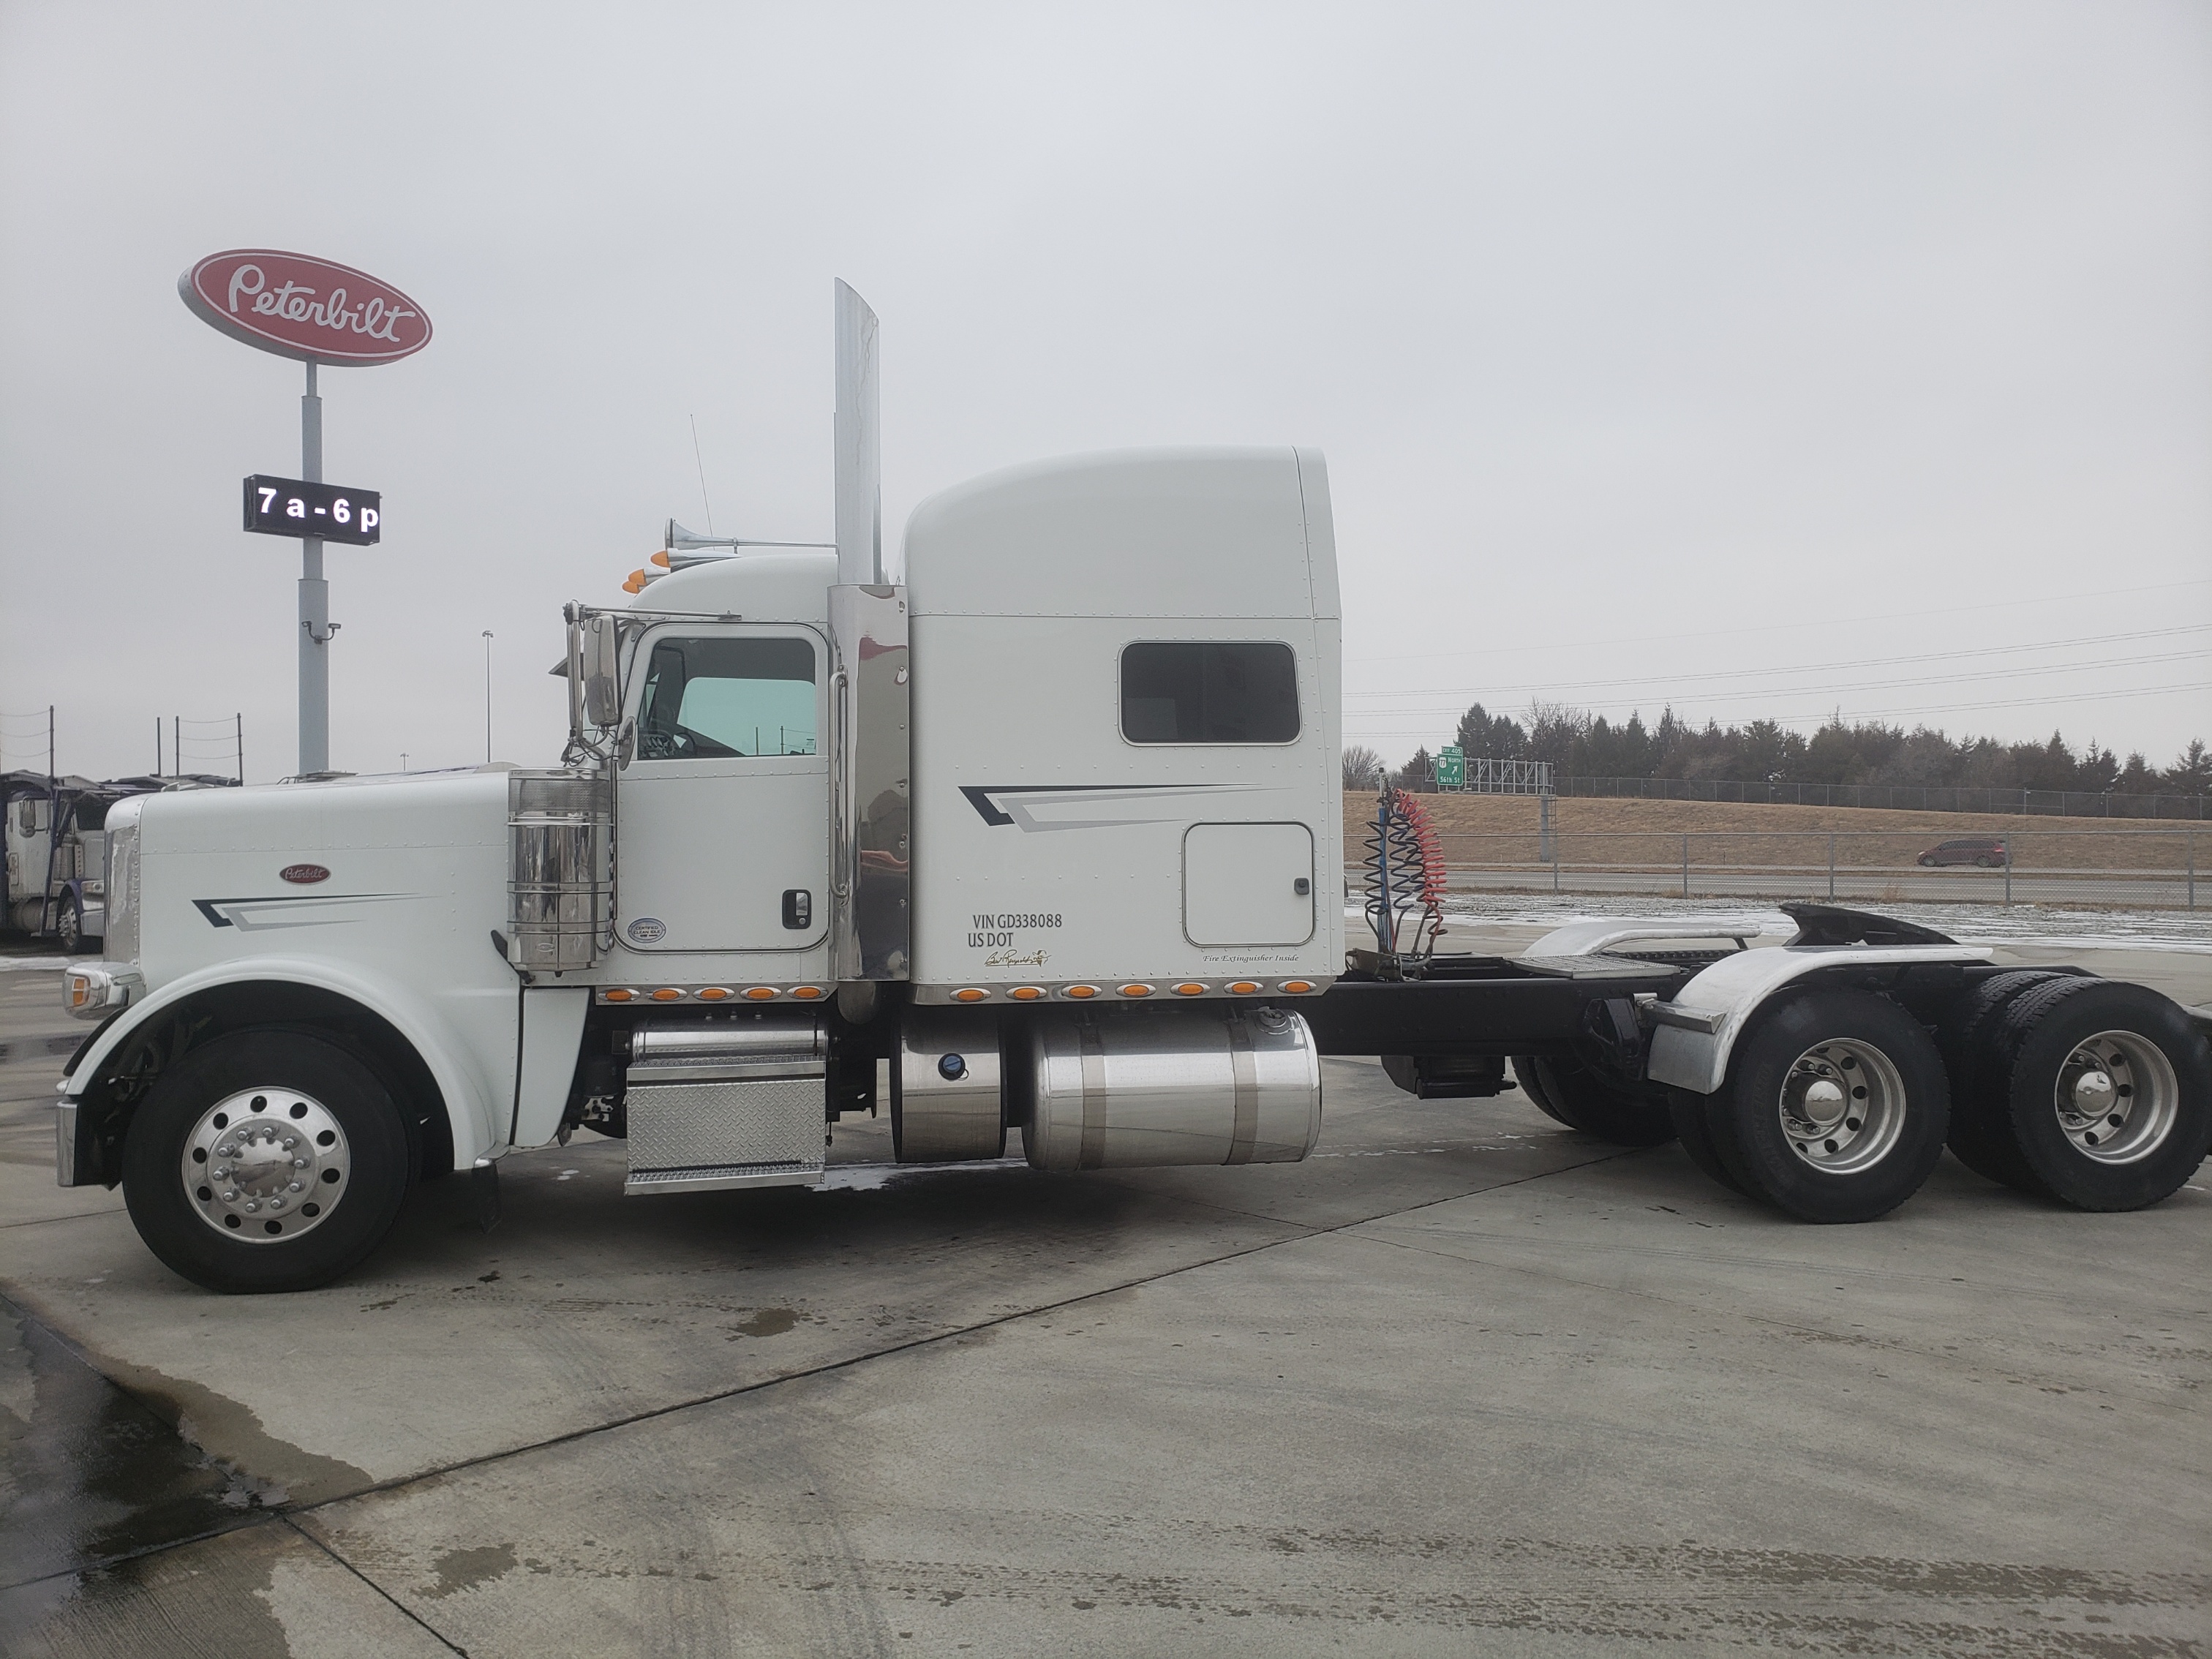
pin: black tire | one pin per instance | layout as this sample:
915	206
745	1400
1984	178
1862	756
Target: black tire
1579	1098
1978	1137
1927	863
1695	1132
1524	1074
338	1232
1989	863
2155	1070
68	927
1840	1075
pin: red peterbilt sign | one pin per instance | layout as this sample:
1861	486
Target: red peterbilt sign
303	307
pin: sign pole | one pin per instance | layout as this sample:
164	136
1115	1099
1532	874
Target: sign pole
314	603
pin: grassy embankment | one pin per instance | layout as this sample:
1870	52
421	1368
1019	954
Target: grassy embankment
1502	829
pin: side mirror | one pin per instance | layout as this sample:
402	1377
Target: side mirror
601	667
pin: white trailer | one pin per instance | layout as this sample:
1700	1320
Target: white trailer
1054	828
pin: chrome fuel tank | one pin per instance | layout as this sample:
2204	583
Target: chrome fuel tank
1241	1085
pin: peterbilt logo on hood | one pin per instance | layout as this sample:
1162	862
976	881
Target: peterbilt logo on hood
303	873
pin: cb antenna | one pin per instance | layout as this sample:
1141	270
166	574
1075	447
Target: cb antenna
701	465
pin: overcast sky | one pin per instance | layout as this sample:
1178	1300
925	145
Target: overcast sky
1764	359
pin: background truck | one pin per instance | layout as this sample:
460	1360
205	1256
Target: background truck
56	845
1051	832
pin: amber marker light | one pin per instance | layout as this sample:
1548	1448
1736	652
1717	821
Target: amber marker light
668	994
634	582
760	994
659	558
1136	990
970	994
714	993
1081	993
1297	988
1244	987
806	993
619	996
1026	992
1190	990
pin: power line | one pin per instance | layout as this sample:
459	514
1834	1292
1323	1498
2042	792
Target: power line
1554	645
1677	678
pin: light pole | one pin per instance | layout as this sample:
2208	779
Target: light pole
487	640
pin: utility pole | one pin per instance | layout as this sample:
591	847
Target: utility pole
315	629
487	640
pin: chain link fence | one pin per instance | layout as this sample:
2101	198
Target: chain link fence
2149	869
1900	797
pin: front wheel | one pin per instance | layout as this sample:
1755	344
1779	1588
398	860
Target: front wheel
1835	1107
1927	862
268	1160
69	928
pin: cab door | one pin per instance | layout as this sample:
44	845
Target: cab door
721	828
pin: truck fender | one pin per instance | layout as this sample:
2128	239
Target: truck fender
478	1107
1693	1035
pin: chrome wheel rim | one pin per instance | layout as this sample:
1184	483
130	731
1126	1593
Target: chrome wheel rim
265	1165
2117	1098
1842	1106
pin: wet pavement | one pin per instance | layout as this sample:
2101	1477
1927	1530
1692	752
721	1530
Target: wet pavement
1460	1379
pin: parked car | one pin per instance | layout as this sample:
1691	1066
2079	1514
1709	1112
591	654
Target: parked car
1987	851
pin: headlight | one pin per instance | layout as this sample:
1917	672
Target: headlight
121	941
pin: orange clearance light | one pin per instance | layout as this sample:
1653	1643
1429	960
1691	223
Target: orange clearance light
970	994
668	994
1190	990
659	558
634	582
714	993
1244	987
1026	992
760	994
806	993
1136	990
1081	993
620	996
1297	988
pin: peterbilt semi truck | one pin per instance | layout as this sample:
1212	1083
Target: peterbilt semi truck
1049	834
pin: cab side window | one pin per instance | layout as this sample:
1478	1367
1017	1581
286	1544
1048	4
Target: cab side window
711	699
1209	691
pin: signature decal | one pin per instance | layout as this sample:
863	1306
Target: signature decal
255	914
1033	807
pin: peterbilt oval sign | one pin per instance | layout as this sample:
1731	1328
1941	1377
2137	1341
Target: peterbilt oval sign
303	307
304	874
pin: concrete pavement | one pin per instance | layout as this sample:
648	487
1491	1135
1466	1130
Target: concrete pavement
1462	1379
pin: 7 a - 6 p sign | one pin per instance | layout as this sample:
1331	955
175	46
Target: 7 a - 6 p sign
292	507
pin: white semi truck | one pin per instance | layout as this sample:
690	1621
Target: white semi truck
1054	828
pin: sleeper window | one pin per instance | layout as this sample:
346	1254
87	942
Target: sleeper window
715	698
1209	691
